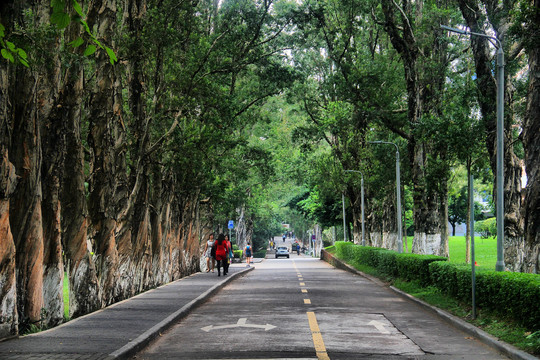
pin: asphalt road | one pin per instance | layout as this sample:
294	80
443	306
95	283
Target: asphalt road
303	308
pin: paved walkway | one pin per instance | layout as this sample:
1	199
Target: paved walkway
119	330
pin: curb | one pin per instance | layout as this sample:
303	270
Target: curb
506	349
142	340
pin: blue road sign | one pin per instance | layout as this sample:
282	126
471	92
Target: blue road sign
231	224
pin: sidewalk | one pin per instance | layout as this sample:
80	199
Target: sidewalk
121	329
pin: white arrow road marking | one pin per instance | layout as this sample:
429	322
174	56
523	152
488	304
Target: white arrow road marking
241	323
379	326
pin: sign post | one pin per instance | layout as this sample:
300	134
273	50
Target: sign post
230	225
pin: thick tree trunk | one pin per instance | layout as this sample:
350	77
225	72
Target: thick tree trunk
428	236
487	90
104	114
53	149
389	222
241	229
53	144
531	143
159	259
25	205
84	289
420	101
8	182
375	230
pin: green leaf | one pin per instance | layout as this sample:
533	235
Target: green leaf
96	41
77	42
60	19
112	55
78	8
90	50
22	53
58	6
7	55
2	31
10	45
24	62
86	27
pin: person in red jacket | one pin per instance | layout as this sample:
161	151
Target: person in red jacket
221	253
229	257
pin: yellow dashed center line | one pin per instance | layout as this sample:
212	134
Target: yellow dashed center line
307	301
304	291
318	342
302	284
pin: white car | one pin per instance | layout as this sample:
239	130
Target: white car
282	251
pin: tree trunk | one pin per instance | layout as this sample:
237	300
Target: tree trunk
8	182
104	117
531	143
53	149
487	93
427	238
84	289
25	206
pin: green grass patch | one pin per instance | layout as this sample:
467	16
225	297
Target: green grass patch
485	251
66	297
431	295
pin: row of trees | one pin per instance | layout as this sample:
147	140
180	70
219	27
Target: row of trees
125	138
385	70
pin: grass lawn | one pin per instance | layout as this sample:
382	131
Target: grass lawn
66	297
485	251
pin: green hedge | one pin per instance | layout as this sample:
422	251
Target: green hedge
512	295
407	266
412	267
260	254
237	253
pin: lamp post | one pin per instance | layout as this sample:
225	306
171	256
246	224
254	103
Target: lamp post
362	198
344	221
500	140
398	194
473	261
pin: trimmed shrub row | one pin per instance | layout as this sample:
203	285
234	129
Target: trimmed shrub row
410	267
511	295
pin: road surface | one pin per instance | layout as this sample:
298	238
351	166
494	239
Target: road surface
303	308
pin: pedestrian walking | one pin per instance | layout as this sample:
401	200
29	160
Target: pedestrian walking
230	255
208	253
248	252
221	253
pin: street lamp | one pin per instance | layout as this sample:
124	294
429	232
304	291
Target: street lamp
344	221
362	197
398	194
500	140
